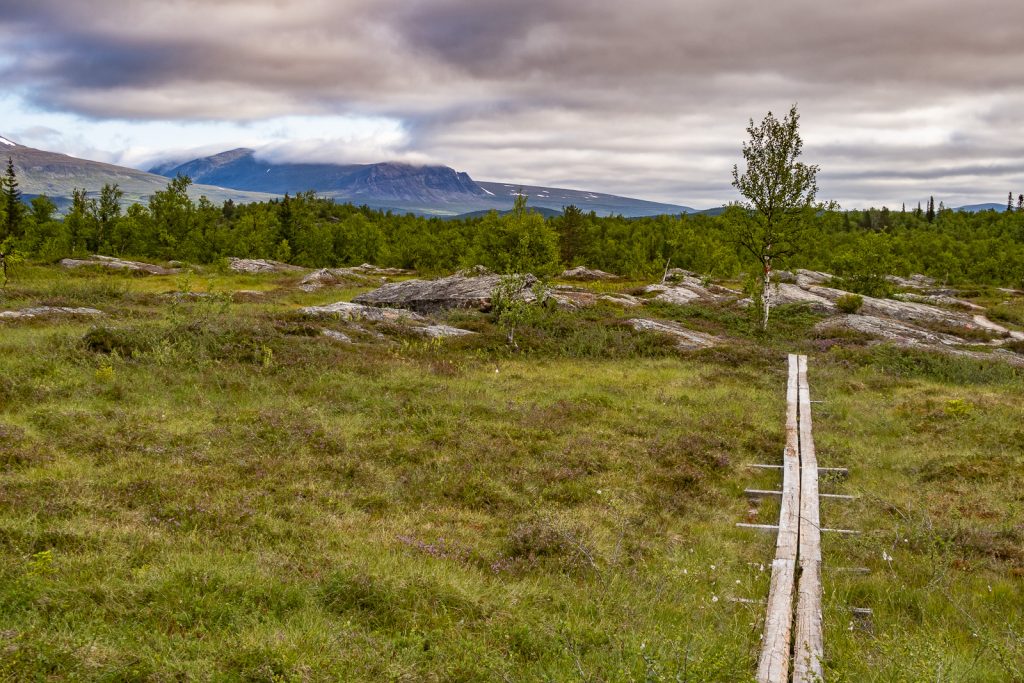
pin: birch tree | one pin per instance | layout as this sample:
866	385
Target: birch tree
778	193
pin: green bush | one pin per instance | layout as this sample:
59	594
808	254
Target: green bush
850	303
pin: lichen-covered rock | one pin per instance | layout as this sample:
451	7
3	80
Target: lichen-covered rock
337	336
916	281
44	311
686	289
907	311
118	264
441	331
625	300
454	291
811	277
583	273
250	265
890	330
785	293
352	311
685	339
938	300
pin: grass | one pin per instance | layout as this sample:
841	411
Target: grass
209	490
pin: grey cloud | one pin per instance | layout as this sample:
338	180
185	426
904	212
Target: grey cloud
649	97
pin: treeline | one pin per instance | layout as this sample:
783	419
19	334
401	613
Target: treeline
984	248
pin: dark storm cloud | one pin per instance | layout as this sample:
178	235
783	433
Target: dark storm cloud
649	97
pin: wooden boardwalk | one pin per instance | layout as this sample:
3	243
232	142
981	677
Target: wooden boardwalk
793	642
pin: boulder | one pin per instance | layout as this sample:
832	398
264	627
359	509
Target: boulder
461	290
247	265
685	339
337	336
118	264
331	276
352	311
43	311
586	274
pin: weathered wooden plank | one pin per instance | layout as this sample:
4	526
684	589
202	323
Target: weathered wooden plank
773	662
808	646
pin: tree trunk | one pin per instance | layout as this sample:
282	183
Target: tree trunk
766	295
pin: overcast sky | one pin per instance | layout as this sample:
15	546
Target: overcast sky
899	99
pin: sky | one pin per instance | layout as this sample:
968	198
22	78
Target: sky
899	99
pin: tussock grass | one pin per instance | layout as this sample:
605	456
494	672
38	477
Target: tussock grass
211	490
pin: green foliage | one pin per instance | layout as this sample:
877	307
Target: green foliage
522	241
860	247
850	303
509	304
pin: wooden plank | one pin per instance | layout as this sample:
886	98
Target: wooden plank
773	662
808	646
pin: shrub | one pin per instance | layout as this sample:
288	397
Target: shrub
850	303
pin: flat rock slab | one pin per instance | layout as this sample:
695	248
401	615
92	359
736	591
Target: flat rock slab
586	274
118	264
938	300
352	311
625	300
907	311
785	293
685	289
811	277
890	330
915	281
685	339
44	311
248	265
454	291
441	331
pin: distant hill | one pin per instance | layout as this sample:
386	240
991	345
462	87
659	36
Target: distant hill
989	206
542	210
56	175
428	190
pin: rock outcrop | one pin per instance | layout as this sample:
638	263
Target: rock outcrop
907	311
45	311
118	264
625	300
811	277
889	330
250	265
462	290
352	311
686	288
685	339
441	331
585	274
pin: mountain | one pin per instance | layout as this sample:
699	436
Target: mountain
429	190
56	175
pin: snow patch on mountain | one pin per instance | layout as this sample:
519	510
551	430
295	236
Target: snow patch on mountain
5	141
